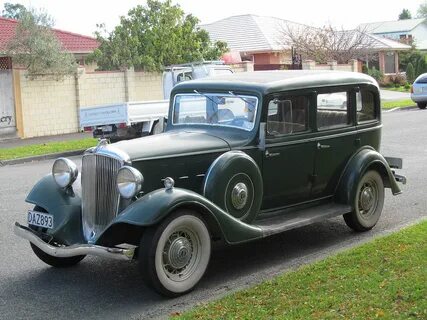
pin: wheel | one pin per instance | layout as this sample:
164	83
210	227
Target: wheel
368	203
234	183
174	255
158	127
56	262
421	105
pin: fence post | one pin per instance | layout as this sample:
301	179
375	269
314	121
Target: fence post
333	65
354	63
18	102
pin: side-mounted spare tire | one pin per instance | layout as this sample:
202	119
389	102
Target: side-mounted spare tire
234	183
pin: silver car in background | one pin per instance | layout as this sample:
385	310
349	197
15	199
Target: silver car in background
419	91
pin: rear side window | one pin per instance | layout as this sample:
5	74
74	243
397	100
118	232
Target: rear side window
365	100
288	115
422	80
332	110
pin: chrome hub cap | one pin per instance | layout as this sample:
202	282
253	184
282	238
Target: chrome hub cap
239	195
179	254
368	199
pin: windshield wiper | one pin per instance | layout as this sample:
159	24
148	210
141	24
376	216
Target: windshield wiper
241	98
206	96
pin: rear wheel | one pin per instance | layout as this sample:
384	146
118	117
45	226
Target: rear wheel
174	255
421	105
368	203
56	262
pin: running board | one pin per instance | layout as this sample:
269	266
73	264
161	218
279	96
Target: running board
287	221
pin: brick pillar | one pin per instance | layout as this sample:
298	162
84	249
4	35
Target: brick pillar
381	61
396	62
309	65
248	66
354	64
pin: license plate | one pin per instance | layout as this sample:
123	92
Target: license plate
40	219
107	128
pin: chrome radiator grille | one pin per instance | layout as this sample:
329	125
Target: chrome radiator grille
100	197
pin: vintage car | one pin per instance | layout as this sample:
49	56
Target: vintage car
244	156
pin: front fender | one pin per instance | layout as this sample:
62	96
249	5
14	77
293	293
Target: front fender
64	205
155	206
362	161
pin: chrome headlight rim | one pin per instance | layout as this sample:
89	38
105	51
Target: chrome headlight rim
129	182
64	172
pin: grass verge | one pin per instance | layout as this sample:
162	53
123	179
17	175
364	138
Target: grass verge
386	278
46	148
397	104
399	89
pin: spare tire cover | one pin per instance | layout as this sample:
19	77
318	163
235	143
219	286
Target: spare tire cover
234	183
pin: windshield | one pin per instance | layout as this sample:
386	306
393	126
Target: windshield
229	110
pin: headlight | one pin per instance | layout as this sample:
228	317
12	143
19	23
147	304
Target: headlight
64	172
129	181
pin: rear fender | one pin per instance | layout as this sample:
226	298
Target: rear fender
364	160
155	206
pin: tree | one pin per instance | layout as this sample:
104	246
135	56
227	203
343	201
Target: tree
422	10
410	73
405	14
154	36
327	43
13	10
36	47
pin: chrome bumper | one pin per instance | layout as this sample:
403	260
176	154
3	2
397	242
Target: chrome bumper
74	250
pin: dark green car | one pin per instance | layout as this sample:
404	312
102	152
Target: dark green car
243	156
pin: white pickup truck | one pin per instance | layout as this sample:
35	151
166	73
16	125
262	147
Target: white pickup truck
135	119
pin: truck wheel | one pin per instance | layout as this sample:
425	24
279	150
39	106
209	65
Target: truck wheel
234	183
421	105
368	203
56	262
174	255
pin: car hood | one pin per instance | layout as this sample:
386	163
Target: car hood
171	144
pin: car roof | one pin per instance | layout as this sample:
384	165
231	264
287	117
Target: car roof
266	82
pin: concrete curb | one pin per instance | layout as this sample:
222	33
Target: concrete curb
42	157
400	108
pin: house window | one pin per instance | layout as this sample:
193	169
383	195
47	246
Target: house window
390	62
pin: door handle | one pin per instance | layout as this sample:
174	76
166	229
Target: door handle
271	154
322	146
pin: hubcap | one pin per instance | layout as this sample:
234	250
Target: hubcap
239	195
179	253
368	199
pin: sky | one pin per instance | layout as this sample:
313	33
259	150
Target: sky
81	16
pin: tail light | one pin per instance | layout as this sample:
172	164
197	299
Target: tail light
122	125
87	129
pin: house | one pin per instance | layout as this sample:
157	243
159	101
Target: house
407	31
261	39
256	38
79	45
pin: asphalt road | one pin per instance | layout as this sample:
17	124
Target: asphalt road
104	289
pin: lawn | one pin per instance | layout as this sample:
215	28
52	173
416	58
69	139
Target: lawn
385	279
397	104
46	148
399	89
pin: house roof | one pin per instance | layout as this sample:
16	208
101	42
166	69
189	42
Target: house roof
71	42
391	26
381	43
250	33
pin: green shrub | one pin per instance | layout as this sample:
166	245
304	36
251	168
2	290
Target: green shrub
376	74
410	72
365	69
407	86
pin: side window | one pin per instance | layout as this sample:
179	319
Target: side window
184	76
332	110
365	106
288	115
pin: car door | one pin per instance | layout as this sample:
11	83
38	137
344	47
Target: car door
288	159
336	139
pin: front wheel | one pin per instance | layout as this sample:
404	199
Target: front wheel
421	105
368	203
174	255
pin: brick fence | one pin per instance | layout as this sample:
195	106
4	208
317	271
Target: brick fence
50	107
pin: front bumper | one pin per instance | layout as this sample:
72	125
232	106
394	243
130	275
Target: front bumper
73	250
